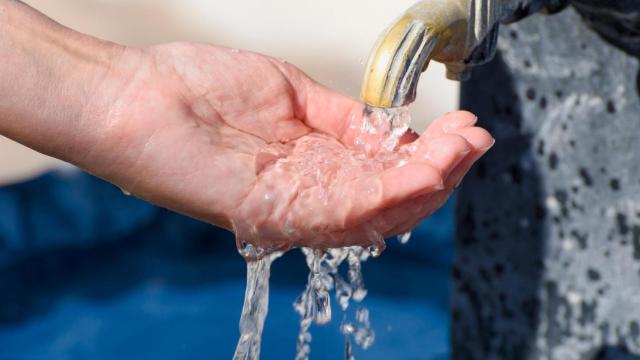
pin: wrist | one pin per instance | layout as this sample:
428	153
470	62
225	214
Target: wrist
102	107
48	75
51	79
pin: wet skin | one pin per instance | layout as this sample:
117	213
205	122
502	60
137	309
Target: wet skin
209	132
225	136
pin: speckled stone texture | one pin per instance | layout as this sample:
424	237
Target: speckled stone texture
547	262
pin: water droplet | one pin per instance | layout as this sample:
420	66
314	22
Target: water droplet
362	315
363	334
347	328
404	238
249	251
343	292
348	349
374	250
323	308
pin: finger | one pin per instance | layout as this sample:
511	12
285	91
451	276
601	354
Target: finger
329	111
363	198
420	209
317	106
479	138
405	227
336	114
444	152
461	171
481	141
430	204
408	137
449	122
409	212
424	206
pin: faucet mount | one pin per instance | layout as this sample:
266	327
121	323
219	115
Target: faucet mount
459	33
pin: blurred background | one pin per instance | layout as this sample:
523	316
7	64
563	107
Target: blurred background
86	272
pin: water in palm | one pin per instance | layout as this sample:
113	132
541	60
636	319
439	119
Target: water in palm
336	271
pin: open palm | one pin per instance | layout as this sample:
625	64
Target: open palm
250	143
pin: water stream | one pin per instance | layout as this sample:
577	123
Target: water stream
256	305
337	270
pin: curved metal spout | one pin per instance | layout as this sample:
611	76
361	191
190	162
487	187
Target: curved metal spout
443	30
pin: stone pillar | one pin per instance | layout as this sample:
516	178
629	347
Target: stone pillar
547	262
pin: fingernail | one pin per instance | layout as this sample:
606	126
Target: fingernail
486	148
460	123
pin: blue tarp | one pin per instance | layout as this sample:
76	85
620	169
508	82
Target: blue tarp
89	273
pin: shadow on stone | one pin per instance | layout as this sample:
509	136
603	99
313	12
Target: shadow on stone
499	250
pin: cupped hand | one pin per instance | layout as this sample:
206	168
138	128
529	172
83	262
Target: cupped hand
252	144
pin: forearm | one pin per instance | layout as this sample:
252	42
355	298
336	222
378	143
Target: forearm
49	78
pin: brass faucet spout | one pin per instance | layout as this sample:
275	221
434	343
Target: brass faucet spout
441	30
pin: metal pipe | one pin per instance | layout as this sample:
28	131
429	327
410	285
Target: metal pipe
448	31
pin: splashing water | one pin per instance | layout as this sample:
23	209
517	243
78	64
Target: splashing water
386	124
254	310
314	304
379	132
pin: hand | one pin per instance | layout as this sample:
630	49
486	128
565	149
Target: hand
233	138
250	143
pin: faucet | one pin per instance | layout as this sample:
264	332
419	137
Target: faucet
459	33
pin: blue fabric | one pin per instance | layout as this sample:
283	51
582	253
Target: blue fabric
65	208
89	273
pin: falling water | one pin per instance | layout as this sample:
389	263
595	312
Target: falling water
256	305
314	304
385	126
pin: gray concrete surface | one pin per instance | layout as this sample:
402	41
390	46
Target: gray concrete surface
547	261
